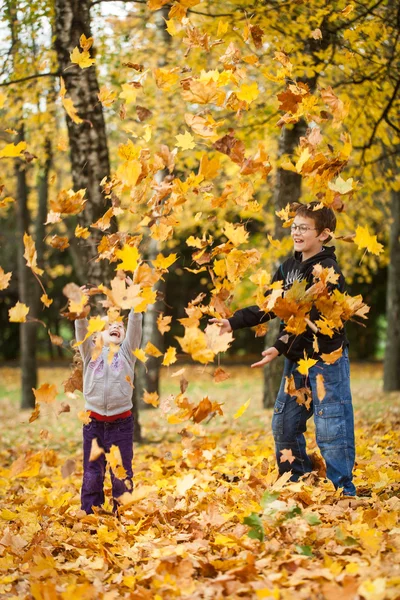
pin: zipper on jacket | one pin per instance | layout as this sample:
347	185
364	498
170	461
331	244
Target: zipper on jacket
105	383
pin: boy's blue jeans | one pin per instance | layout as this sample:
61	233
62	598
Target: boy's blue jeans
334	423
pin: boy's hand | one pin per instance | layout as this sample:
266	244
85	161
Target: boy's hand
269	355
224	325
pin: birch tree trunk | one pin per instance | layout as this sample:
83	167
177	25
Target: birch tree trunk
87	140
391	380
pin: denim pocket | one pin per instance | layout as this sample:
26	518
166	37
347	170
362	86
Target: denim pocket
277	419
329	421
125	425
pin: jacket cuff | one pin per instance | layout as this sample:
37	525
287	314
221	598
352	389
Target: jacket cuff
280	346
234	322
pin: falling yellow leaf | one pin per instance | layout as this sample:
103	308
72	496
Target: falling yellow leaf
114	459
129	93
129	256
242	409
82	232
84	416
151	350
139	353
31	255
82	59
305	364
248	92
95	450
331	358
17	314
13	150
95	325
4	279
46	300
151	398
163	323
236	234
363	239
163	262
46	394
169	356
321	393
185	141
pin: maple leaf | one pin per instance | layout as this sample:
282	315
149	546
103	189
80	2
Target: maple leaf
185	141
169	356
220	375
215	341
140	354
35	413
68	104
236	234
114	459
46	394
107	96
331	358
17	314
4	279
46	300
84	416
363	239
13	150
95	450
164	262
85	43
82	59
95	325
248	92
341	186
305	365
82	232
151	398
163	323
242	409
30	254
209	168
287	456
129	256
151	350
59	242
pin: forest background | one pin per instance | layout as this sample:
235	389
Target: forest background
168	140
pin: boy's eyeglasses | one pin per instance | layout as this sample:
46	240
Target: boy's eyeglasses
301	228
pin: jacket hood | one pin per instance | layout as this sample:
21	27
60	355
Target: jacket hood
326	252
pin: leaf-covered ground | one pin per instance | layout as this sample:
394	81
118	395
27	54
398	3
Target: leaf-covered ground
184	535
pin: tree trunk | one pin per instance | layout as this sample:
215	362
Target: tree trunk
87	140
287	189
391	380
148	375
28	289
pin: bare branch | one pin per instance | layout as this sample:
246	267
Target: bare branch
6	83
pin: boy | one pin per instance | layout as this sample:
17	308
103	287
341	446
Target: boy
108	395
333	416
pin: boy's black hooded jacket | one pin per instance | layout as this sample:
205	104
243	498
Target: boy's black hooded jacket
290	345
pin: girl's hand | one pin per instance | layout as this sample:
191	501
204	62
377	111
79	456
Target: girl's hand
269	355
225	326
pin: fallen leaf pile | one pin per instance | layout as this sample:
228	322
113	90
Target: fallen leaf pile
208	516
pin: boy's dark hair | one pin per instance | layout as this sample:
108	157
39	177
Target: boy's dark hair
324	217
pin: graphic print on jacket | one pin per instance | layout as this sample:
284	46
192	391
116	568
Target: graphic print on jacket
292	346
